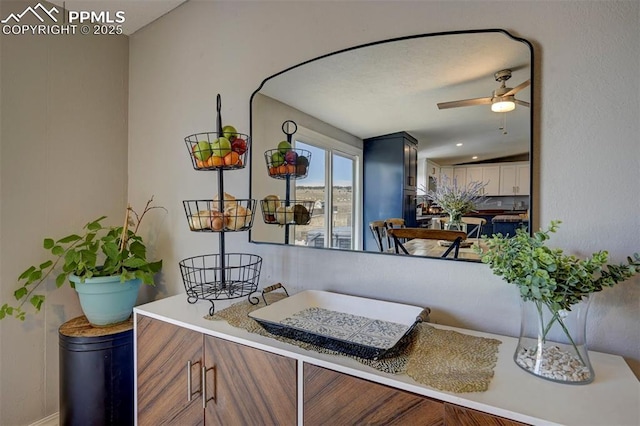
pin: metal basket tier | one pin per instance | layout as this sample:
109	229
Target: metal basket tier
206	215
295	212
293	163
214	277
206	155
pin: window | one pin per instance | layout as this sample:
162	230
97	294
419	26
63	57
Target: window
334	183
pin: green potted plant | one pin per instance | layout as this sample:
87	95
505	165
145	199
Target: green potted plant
105	265
555	289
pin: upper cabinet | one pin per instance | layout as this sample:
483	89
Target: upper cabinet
507	179
515	179
490	175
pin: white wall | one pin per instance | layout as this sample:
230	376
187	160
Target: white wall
63	163
587	154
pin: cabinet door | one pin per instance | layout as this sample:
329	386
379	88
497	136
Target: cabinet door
410	165
163	351
446	171
523	179
491	176
508	180
247	386
460	175
332	398
460	416
474	174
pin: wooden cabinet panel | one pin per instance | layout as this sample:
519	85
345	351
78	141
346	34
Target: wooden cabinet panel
247	386
460	416
163	351
332	398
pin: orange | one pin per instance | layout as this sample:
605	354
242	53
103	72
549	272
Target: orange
217	161
200	164
232	158
214	161
282	170
291	169
273	171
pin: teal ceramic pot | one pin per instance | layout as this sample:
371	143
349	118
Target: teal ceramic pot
105	300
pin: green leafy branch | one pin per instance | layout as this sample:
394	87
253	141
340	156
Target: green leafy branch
121	250
550	277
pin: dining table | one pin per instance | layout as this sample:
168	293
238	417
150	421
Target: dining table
436	248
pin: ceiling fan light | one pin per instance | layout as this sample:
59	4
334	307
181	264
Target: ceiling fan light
503	104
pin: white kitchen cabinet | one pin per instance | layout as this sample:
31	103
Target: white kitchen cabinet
446	171
460	175
514	179
487	174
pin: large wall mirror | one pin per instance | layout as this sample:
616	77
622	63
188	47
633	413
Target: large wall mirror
344	143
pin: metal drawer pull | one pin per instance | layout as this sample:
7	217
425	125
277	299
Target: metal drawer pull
204	386
189	381
190	393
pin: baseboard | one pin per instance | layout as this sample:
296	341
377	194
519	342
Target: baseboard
51	420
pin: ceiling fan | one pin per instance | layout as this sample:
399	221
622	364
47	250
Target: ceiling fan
502	100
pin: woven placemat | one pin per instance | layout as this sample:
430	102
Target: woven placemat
443	359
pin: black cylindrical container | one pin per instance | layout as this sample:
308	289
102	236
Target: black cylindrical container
96	374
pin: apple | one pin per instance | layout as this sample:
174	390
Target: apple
290	157
239	145
221	147
301	215
302	161
284	146
202	150
301	170
229	132
277	159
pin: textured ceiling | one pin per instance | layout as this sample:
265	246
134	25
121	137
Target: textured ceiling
392	87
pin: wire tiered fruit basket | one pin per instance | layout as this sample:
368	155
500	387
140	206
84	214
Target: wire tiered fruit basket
222	275
287	163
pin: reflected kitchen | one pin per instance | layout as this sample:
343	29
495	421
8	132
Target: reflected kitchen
380	135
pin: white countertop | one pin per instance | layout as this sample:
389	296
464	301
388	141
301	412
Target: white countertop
612	399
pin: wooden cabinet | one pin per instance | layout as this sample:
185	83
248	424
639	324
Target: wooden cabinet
460	416
515	179
332	398
241	385
339	399
390	170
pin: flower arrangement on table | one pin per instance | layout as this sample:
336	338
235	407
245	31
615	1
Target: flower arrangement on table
456	200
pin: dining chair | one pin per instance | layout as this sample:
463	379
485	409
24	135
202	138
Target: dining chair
377	228
479	222
393	223
404	234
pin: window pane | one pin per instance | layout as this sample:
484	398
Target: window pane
342	199
312	188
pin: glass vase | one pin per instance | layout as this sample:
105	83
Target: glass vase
455	222
552	343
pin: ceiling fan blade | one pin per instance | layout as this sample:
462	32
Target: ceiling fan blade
518	88
523	103
464	103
